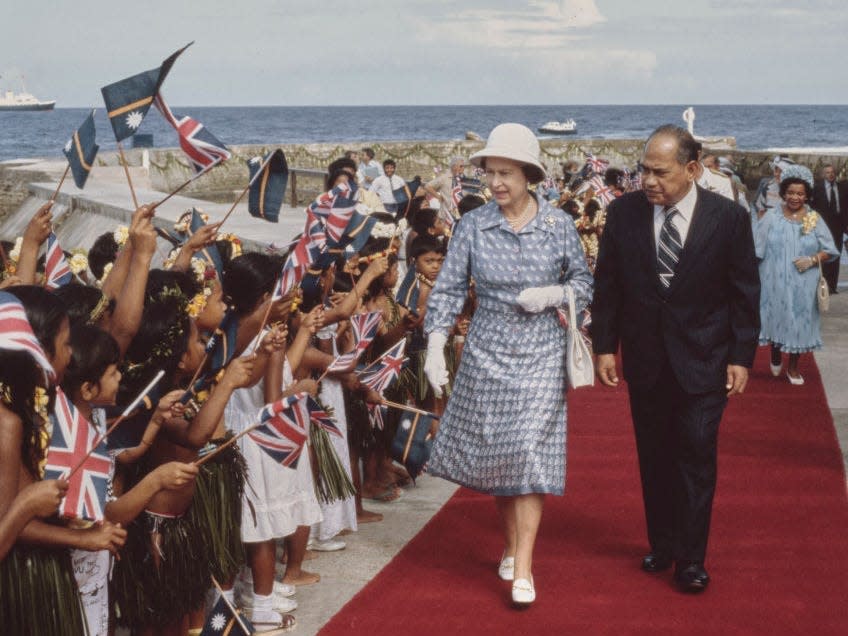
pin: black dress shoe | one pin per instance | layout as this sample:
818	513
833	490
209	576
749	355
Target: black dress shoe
690	576
656	563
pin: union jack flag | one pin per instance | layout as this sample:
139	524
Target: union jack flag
16	333
602	190
284	429
288	279
312	242
319	416
364	328
335	208
380	376
456	190
203	149
72	438
598	166
56	270
635	182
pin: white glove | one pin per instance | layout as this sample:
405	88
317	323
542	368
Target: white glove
535	299
435	367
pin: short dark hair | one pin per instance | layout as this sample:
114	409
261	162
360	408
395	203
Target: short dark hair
788	181
687	148
424	219
93	351
103	251
425	243
344	164
44	311
389	162
247	278
469	202
369	152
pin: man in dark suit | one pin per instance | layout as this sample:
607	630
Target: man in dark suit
830	199
677	286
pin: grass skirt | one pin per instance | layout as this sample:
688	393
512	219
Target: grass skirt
145	596
38	593
216	511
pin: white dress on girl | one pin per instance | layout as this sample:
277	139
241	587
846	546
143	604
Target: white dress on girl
282	498
338	515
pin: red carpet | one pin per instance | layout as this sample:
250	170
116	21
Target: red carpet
778	553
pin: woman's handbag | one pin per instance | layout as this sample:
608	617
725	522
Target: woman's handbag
578	356
822	292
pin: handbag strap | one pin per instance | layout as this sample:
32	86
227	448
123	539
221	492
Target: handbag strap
572	313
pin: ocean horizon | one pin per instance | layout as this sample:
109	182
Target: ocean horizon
796	128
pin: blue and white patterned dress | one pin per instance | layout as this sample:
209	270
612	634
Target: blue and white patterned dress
503	431
789	313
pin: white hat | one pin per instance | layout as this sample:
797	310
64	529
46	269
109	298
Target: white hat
515	142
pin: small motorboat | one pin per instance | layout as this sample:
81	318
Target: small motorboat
567	127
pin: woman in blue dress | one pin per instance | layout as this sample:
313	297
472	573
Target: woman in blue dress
791	241
503	431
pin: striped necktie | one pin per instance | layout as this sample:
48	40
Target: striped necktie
669	248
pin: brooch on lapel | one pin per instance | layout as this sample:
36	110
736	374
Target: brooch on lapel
550	220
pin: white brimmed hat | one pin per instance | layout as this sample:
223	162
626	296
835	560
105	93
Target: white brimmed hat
515	142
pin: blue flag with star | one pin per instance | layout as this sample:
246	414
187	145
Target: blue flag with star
81	150
222	619
268	180
128	100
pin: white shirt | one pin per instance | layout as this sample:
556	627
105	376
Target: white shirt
384	187
831	187
681	221
372	170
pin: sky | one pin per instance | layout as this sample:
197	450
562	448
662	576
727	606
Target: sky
333	52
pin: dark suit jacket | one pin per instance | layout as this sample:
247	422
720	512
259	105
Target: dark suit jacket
839	223
707	319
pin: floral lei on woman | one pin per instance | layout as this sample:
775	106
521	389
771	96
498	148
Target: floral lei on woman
206	275
808	223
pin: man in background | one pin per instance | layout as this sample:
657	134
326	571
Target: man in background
830	200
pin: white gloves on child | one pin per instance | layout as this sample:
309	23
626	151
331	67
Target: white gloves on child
535	299
435	366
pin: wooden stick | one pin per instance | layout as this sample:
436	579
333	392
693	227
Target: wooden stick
61	181
244	628
197	176
411	409
235	203
127	172
123	416
4	257
262	326
196	374
202	460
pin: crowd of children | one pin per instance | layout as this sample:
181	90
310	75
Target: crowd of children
193	503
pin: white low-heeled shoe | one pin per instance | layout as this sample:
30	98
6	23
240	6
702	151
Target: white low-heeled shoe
506	568
775	369
795	381
523	592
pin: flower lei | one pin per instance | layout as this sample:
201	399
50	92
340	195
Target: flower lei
182	225
121	234
809	222
14	255
106	269
78	262
206	275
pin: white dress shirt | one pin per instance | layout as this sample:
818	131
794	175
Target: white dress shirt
681	221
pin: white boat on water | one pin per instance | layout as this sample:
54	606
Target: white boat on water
10	100
567	127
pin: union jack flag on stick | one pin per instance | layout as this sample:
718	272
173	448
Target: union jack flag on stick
284	429
364	328
385	370
56	270
75	441
203	149
335	208
319	416
16	333
598	166
602	190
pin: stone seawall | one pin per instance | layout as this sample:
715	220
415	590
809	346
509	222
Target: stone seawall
164	169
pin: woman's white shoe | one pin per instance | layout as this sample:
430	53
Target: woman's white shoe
775	369
506	568
523	592
797	380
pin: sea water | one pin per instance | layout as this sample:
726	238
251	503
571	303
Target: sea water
790	128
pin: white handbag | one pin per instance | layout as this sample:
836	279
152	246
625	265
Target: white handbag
578	356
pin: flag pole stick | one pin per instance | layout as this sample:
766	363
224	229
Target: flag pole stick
197	176
127	172
244	629
202	460
123	416
243	192
382	355
411	409
61	181
262	326
4	257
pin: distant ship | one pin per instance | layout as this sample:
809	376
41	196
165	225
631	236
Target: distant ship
567	127
10	100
